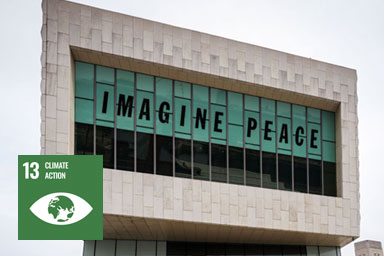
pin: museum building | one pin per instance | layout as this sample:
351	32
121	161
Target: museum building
210	146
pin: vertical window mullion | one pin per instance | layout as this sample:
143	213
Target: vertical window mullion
244	148
134	123
276	148
115	121
173	129
94	109
321	146
306	145
209	134
261	145
154	125
192	154
292	155
226	128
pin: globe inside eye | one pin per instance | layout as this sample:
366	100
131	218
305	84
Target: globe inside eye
59	208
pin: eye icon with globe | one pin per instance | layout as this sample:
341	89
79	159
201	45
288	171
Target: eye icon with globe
61	208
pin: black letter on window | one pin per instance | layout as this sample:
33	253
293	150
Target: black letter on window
105	102
200	117
313	138
164	117
125	106
284	134
217	122
182	117
252	125
144	111
299	141
267	130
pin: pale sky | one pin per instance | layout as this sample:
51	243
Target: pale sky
344	32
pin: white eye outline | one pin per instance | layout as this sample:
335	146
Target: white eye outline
40	208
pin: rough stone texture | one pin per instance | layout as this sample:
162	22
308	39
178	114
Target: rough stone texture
73	31
368	248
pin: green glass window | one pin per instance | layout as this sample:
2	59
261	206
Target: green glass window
105	75
218	127
84	111
182	90
200	113
84	79
252	128
219	135
299	131
104	105
164	106
144	82
125	106
144	111
235	119
268	124
314	141
182	118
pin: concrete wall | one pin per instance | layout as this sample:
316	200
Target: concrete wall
76	32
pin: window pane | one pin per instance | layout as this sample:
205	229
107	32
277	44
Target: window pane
183	158
176	248
312	251
327	251
234	249
164	154
215	249
330	179
125	150
268	125
84	77
105	75
315	176
300	174
253	167
83	139
269	170
196	249
164	118
126	248
84	111
236	171
219	162
104	145
254	250
272	250
291	250
200	160
144	153
285	172
145	248
105	247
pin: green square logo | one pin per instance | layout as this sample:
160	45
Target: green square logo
60	197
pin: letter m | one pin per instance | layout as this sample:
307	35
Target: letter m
125	105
